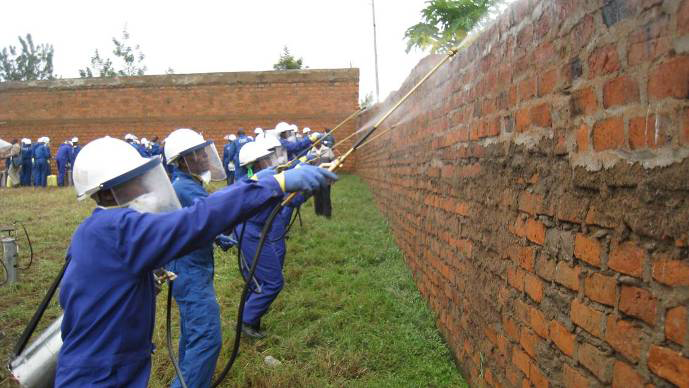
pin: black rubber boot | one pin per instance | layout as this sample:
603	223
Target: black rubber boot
253	331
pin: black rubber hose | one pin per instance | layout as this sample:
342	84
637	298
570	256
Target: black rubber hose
31	326
28	239
294	218
247	280
240	313
170	352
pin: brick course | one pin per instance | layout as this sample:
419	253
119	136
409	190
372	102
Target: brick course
555	147
216	104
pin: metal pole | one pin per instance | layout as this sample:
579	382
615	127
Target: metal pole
375	48
9	248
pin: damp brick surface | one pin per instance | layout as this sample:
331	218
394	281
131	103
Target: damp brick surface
538	185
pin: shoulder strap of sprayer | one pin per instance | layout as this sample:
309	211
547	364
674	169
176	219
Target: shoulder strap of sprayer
33	323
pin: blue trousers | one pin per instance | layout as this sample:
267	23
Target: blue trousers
25	178
201	337
41	175
61	172
269	277
134	373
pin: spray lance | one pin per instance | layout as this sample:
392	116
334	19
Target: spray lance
333	166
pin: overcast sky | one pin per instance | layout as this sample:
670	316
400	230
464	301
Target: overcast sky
219	36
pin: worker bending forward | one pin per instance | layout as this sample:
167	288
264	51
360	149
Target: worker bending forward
196	162
107	292
256	157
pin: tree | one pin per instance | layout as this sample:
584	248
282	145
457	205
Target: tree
131	60
367	101
32	63
287	61
445	23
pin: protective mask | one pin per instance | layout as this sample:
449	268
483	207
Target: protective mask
148	203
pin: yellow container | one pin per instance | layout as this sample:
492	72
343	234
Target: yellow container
52	180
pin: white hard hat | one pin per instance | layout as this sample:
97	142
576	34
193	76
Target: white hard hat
200	155
26	141
181	140
134	181
46	139
251	152
129	136
282	127
232	137
294	127
101	162
258	130
75	139
270	142
306	130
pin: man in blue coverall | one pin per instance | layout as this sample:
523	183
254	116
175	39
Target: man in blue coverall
233	152
289	141
257	157
226	159
107	291
27	163
196	162
63	158
41	156
76	148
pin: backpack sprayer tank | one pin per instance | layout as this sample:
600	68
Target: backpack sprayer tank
35	366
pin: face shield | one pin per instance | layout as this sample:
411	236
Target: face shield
263	162
203	161
150	192
280	154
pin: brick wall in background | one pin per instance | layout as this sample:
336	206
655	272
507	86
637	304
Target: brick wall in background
216	104
539	188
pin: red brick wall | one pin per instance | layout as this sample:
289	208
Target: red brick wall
216	104
539	188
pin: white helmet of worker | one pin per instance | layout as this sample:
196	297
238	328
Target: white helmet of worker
232	137
258	130
255	157
188	150
114	174
282	127
75	140
285	131
272	143
306	130
46	140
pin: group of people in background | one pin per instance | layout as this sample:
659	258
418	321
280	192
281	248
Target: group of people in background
29	162
290	138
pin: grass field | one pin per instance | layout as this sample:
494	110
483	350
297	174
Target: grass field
349	314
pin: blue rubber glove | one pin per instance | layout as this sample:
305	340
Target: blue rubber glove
265	173
306	178
225	242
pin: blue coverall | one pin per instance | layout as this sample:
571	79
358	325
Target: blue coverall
293	148
201	337
155	149
239	171
75	151
63	157
34	165
41	155
269	269
107	292
140	149
226	161
27	166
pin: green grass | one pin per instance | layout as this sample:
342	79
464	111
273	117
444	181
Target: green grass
349	315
